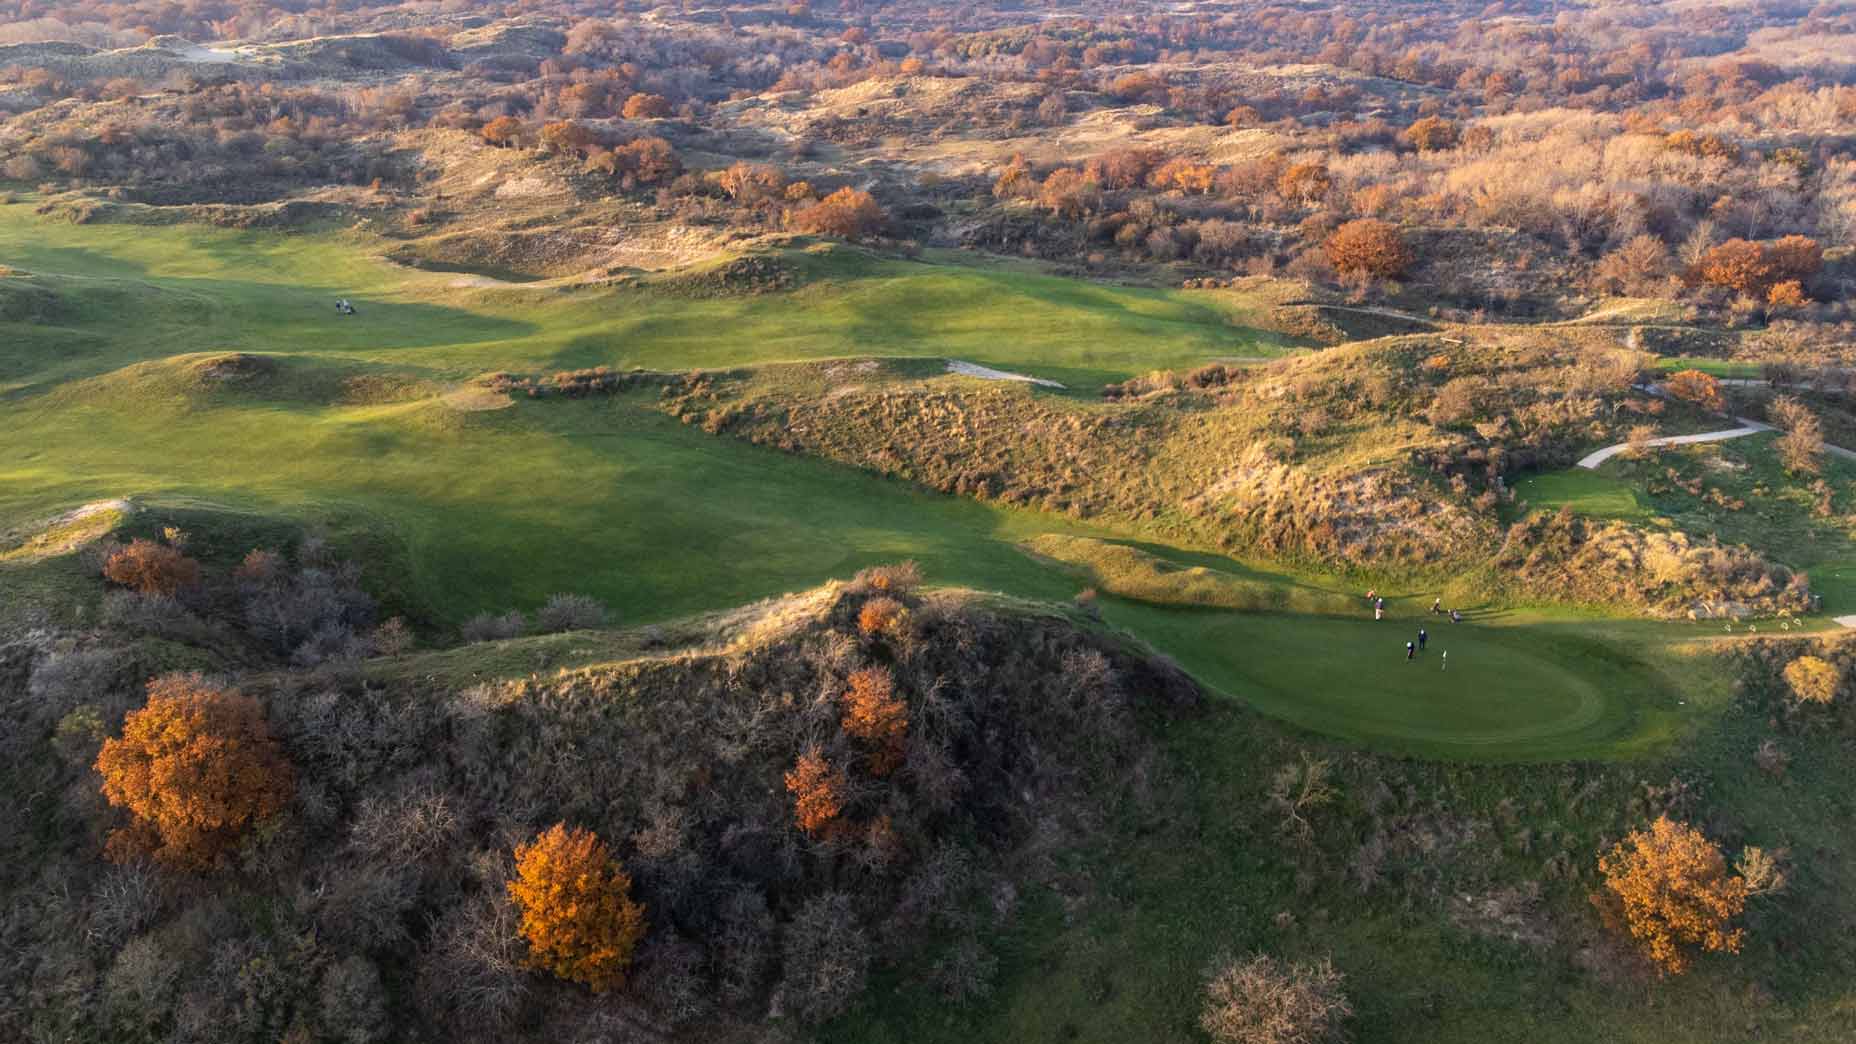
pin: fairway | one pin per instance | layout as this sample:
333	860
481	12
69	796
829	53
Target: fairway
461	511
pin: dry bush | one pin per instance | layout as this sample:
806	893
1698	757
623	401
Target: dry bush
847	213
503	131
1069	194
577	914
1813	679
197	768
881	615
1637	441
1369	246
1697	387
490	627
1305	183
643	106
1432	134
1670	889
151	568
1260	1000
569	612
1801	448
826	958
818	792
898	580
1639	268
392	638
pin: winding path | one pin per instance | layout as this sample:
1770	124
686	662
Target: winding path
1747	426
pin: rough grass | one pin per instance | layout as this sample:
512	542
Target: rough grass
1737	490
1133	573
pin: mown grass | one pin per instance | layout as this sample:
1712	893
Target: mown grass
134	293
461	512
1586	492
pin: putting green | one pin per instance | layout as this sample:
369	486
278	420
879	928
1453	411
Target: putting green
1528	692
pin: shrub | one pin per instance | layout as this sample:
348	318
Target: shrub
818	792
1304	183
502	131
1738	265
880	615
1813	679
1068	193
392	638
149	568
197	767
898	579
1638	267
570	612
826	958
643	106
872	713
489	627
1801	448
1261	1001
1368	247
577	915
1670	889
1432	133
1696	387
565	136
847	213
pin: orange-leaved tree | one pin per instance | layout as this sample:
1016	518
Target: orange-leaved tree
1739	265
152	568
1670	888
197	767
1697	387
874	714
503	131
1370	247
848	213
578	916
818	792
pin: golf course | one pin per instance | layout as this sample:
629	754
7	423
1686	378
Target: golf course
116	385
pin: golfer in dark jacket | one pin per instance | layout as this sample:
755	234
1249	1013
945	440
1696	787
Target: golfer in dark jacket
1422	638
1411	651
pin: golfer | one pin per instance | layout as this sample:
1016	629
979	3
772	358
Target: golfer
1379	611
1437	606
1456	616
1422	638
1411	651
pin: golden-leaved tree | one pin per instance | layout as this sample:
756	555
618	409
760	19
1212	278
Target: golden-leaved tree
1670	888
578	916
197	767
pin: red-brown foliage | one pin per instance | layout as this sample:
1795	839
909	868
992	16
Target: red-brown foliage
1696	387
643	106
152	568
848	213
818	793
1369	246
197	767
